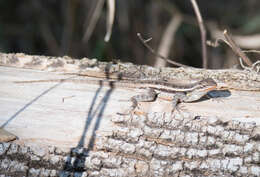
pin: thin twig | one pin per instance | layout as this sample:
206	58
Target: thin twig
110	18
242	65
251	41
216	43
236	49
168	38
251	51
254	66
202	32
156	54
92	20
257	66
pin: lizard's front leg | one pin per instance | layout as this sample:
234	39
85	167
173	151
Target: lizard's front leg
177	98
192	96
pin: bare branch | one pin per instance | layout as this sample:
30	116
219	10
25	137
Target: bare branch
93	19
236	49
156	54
251	51
168	39
216	43
110	19
254	68
202	32
251	41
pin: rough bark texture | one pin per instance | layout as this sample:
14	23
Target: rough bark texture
150	144
153	145
238	79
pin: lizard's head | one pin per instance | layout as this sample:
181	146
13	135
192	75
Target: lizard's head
207	84
201	88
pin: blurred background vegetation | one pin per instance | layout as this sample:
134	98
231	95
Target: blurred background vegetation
57	28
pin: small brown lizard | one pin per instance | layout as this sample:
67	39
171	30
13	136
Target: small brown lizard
181	93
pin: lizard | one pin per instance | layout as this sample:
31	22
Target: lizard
179	92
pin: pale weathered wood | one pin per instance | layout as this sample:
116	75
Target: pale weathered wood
56	123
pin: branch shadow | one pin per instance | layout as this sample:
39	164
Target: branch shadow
31	102
76	159
73	165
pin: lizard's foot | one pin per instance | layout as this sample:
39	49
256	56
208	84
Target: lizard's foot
127	112
123	114
132	110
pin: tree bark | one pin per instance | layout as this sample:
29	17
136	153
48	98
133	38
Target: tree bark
61	133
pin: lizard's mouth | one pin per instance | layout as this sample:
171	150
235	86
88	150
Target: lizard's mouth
211	88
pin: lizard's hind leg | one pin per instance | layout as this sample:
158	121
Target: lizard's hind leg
148	96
